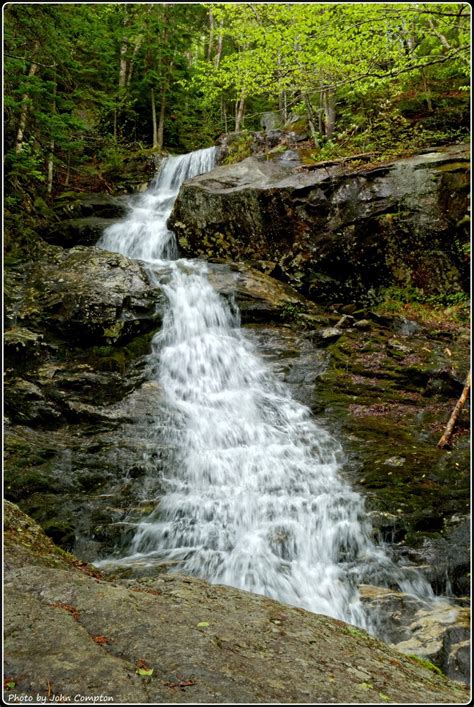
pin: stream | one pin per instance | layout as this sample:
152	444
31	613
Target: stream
254	497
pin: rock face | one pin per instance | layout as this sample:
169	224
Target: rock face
336	234
87	295
439	632
69	633
83	452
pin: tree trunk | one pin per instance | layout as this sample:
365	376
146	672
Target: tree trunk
283	106
445	439
310	116
239	112
68	169
131	63
50	167
25	104
153	119
329	107
220	39
211	35
161	123
49	187
123	65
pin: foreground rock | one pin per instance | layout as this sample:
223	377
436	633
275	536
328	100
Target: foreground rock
334	233
176	639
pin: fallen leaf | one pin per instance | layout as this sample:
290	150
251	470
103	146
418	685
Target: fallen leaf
203	624
184	683
101	640
144	672
69	608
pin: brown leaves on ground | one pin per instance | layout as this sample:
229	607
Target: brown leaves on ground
69	608
102	640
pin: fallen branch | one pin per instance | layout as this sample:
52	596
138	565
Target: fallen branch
340	160
444	442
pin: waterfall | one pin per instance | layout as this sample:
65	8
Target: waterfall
254	497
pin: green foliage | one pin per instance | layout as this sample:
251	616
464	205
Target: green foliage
81	79
425	663
429	308
239	147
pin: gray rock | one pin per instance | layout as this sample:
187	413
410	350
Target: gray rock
337	235
176	638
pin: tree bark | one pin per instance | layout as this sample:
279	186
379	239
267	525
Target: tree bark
49	187
123	65
239	112
444	442
310	116
211	35
131	63
161	123
220	39
25	104
153	119
329	107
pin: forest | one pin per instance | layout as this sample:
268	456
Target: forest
86	84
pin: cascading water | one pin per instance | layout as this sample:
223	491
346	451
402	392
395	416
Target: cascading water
254	498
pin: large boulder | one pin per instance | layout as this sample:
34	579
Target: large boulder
70	635
337	234
87	295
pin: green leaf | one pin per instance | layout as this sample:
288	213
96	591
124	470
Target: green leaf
203	624
145	672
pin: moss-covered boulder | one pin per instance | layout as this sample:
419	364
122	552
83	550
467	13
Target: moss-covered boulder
88	295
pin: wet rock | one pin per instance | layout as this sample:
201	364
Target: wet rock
89	296
78	231
201	643
260	298
436	631
80	206
336	235
324	337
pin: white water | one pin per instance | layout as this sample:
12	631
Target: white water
254	498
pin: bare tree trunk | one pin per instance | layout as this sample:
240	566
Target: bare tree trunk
329	107
310	116
68	169
445	439
239	112
50	167
25	104
131	63
220	39
153	119
49	187
211	35
161	124
123	65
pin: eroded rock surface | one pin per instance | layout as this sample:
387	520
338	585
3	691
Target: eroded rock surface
334	233
174	639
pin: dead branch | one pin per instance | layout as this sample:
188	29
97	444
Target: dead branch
444	442
341	160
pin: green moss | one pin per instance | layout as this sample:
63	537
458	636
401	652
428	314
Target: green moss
239	148
425	663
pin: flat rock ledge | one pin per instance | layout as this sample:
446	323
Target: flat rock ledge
72	635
